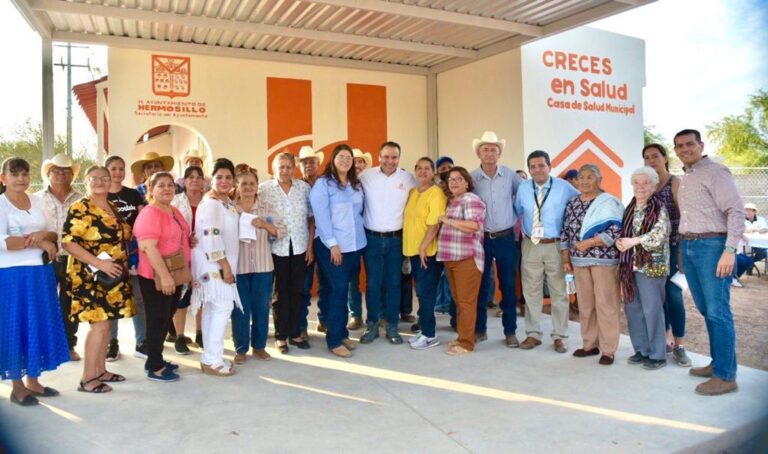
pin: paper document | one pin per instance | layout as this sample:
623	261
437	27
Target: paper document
247	230
679	280
102	256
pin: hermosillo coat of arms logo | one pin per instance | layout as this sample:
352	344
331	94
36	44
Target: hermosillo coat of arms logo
171	75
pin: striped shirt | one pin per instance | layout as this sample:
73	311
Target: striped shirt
58	210
256	256
454	245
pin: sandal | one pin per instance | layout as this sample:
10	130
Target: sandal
218	371
457	350
113	378
100	389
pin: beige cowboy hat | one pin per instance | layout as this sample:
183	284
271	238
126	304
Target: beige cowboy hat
59	160
488	137
750	206
358	153
193	154
306	152
138	167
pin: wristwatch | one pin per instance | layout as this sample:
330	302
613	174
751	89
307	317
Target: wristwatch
730	249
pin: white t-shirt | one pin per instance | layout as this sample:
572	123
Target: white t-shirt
385	198
15	222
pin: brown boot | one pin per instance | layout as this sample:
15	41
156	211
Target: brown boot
355	324
705	371
261	354
529	343
559	346
715	386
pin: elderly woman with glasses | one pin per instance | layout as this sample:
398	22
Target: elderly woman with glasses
643	269
95	235
591	225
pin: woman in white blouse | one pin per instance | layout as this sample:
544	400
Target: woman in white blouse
187	202
214	262
31	326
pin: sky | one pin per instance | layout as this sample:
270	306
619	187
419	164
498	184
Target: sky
703	60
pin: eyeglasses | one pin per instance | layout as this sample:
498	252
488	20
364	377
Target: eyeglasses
97	179
456	180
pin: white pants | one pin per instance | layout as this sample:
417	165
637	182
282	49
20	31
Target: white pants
215	317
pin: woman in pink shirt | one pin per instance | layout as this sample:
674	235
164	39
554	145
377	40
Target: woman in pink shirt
161	231
460	248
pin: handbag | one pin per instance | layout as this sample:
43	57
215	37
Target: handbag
176	264
108	282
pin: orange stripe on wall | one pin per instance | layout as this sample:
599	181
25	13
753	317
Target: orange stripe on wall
289	113
367	117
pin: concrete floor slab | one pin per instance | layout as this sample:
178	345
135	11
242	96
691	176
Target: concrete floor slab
390	398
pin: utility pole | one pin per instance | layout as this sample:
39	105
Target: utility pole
68	65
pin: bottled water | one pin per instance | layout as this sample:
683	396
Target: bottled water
570	284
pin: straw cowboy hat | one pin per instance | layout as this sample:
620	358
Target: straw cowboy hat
138	167
358	153
193	154
306	152
59	160
488	137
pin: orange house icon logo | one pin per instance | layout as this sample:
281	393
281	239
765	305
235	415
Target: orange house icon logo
587	148
171	75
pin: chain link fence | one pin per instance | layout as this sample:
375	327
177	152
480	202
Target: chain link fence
753	186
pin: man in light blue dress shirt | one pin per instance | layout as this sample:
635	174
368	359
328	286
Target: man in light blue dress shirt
541	203
497	185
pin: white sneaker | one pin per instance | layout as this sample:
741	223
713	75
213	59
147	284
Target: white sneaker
424	342
415	339
736	283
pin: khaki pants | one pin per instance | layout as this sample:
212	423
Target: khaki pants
540	260
597	288
464	279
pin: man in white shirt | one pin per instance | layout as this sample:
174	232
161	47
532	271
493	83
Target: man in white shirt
386	193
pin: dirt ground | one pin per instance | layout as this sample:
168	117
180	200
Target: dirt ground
750	313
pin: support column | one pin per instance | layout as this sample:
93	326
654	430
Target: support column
432	142
48	132
102	113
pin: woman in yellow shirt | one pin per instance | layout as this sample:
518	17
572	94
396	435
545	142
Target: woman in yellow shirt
426	203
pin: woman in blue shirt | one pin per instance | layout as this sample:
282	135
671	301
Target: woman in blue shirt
337	203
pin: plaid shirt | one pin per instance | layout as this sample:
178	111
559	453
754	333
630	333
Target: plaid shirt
452	243
58	210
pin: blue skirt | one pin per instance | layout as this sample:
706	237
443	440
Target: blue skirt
32	336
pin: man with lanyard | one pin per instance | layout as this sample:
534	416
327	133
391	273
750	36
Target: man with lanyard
309	162
386	193
59	196
496	185
541	204
711	225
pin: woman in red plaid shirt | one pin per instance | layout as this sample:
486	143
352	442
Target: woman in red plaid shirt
460	247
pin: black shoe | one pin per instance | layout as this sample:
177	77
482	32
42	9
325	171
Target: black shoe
181	346
394	337
301	345
199	339
371	333
415	328
28	401
490	304
637	358
653	364
171	338
113	351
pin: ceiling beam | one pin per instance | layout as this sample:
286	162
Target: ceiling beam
37	20
232	52
435	14
65	7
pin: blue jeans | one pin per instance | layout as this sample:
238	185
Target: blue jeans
712	296
252	324
504	250
309	275
674	308
139	319
444	298
383	268
426	290
355	298
336	314
745	262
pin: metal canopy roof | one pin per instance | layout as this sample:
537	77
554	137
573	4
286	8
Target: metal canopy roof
409	36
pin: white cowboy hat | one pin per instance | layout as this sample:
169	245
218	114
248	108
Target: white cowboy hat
193	154
750	206
138	167
488	137
59	160
306	152
358	153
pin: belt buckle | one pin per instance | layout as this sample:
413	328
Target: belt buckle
492	235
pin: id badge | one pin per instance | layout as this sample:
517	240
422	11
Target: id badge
538	231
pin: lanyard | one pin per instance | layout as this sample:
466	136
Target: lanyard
536	198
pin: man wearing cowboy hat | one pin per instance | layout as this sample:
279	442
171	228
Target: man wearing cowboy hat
149	164
58	173
362	160
497	186
309	162
193	158
744	262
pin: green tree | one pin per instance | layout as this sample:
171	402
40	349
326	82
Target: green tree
27	142
650	135
743	139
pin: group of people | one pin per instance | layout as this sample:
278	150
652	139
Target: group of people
224	244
